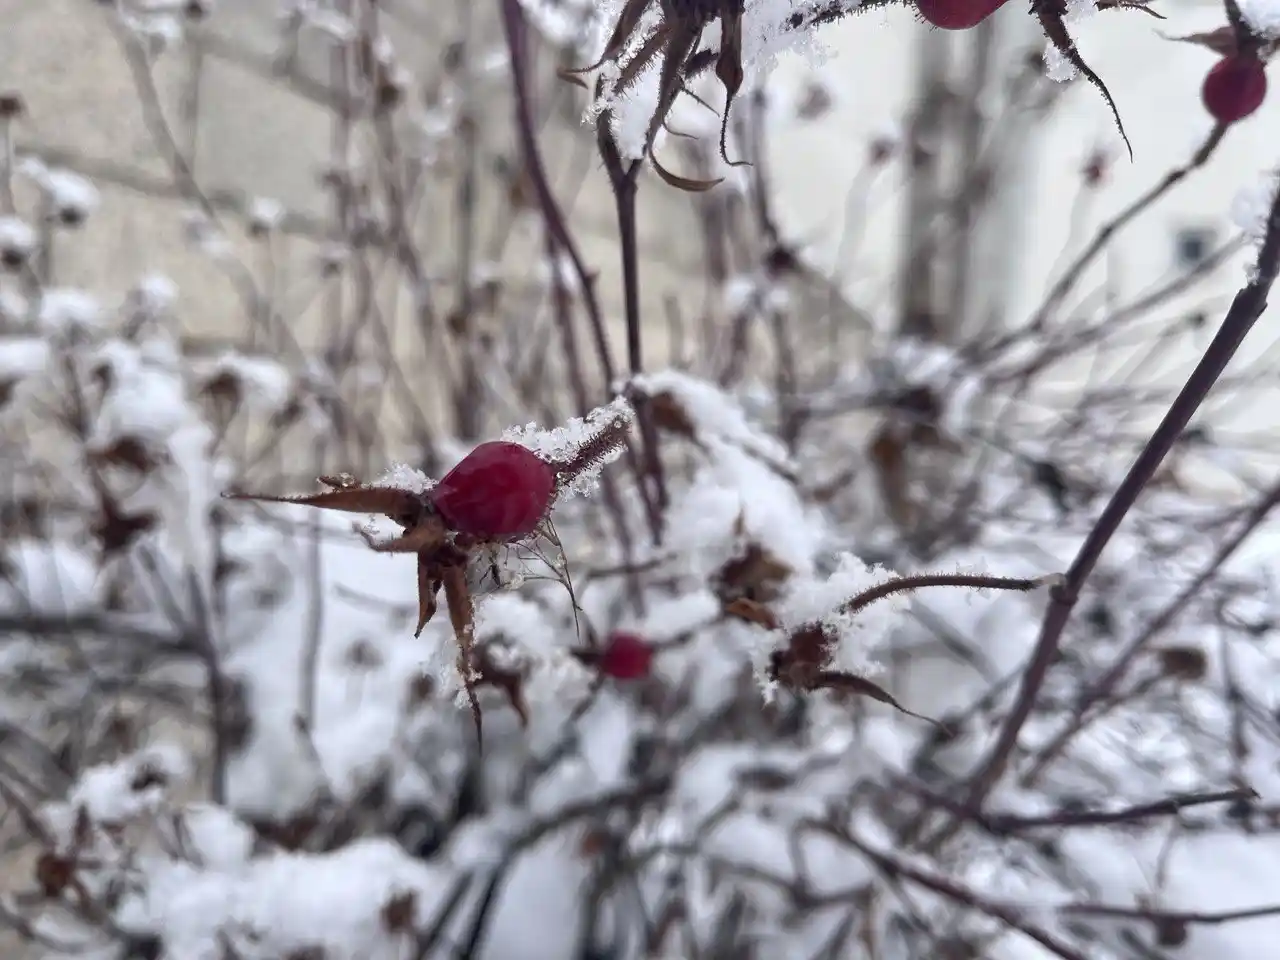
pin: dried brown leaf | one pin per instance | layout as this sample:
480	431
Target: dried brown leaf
752	612
756	575
462	616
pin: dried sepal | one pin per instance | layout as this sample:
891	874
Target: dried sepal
347	499
1052	19
398	912
682	40
1236	38
422	537
130	452
673	44
756	574
628	22
1052	16
729	70
423	533
888	455
429	584
462	618
1221	41
1182	662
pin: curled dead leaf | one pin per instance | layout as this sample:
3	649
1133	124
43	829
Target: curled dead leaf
755	575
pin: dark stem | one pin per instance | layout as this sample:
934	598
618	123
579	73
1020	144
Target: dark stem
624	181
1245	310
516	34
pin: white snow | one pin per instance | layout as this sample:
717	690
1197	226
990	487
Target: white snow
66	310
16	237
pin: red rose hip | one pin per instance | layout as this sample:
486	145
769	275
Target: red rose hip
498	491
1234	88
957	14
626	656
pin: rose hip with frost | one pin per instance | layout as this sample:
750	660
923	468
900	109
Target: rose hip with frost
499	490
1234	88
957	14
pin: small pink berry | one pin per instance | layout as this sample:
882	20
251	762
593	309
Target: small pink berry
1234	88
499	490
957	14
626	656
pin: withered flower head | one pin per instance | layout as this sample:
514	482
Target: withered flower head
803	662
674	45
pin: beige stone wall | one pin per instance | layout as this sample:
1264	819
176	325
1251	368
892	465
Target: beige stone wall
254	137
